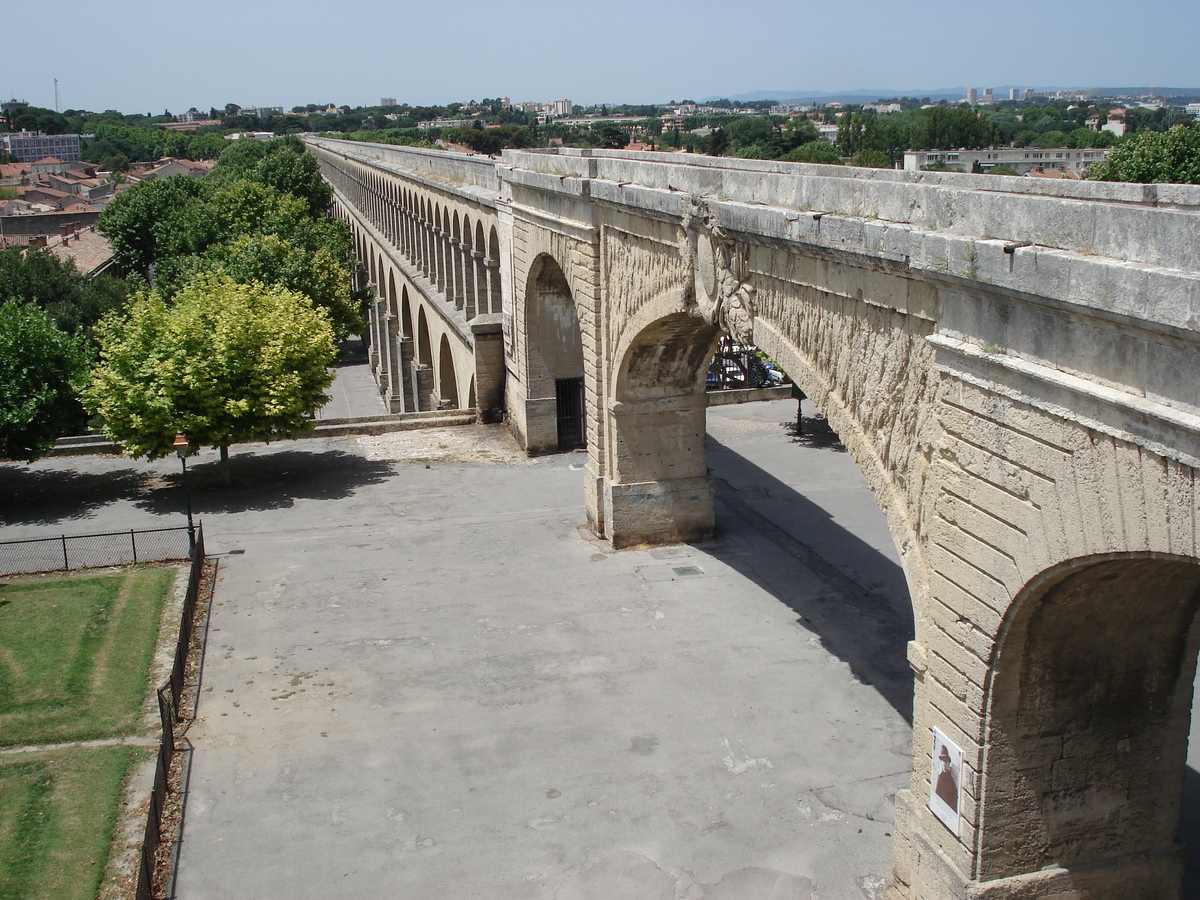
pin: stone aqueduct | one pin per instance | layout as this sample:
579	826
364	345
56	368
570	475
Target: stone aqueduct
1013	363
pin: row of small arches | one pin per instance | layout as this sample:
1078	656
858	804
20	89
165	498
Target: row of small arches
458	253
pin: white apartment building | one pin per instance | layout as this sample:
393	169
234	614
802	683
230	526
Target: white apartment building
1023	159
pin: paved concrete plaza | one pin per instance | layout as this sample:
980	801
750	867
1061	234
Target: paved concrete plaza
424	679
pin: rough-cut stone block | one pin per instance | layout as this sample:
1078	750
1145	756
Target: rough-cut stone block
659	512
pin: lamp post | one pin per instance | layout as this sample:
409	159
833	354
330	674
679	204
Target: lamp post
181	449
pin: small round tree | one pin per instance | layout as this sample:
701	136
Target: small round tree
228	363
814	152
872	159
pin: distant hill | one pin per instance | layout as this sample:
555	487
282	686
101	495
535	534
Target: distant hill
866	95
952	93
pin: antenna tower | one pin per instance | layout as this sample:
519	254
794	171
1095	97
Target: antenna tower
57	105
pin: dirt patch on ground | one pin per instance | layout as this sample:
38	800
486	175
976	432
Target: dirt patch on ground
460	443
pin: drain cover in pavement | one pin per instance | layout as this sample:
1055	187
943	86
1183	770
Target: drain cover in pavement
685	571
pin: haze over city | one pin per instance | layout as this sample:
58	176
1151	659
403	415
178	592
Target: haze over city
154	57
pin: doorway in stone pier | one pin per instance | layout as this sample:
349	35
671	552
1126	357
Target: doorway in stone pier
568	396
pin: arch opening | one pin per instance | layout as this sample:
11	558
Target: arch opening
447	378
424	347
1089	713
405	313
557	413
657	436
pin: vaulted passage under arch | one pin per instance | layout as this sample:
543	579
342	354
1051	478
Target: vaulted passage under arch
555	406
657	436
1090	707
447	379
424	347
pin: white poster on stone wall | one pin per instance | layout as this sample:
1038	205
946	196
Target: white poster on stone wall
945	781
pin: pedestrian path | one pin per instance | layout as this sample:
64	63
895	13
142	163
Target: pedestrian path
353	393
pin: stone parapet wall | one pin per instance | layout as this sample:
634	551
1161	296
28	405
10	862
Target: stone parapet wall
1134	223
448	169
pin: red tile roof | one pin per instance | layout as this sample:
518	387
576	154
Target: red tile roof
89	249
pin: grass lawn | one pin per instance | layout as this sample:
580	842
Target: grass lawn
57	813
75	653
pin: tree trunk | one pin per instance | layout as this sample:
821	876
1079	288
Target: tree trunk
225	466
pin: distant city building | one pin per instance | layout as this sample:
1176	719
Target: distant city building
561	108
1014	93
828	132
1023	160
30	146
971	94
1193	109
445	123
789	109
387	101
883	108
189	126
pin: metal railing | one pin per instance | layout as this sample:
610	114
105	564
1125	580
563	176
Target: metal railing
90	551
170	695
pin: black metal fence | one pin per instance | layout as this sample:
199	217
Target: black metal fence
88	551
170	711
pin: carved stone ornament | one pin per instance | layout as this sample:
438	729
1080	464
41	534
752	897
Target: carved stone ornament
720	286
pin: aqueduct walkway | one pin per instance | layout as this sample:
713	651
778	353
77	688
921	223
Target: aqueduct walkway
1013	365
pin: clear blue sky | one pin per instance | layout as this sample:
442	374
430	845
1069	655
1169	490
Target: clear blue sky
149	56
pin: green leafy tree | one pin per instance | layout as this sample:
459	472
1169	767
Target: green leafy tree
315	273
115	162
1048	139
245	229
152	219
41	368
1153	157
609	135
718	143
814	152
751	131
799	131
872	159
227	364
1002	170
53	284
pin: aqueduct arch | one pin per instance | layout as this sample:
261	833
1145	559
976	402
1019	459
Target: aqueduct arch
657	432
553	353
1089	707
447	379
